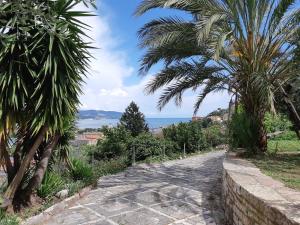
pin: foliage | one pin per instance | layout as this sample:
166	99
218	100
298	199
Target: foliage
88	130
277	146
215	135
289	101
286	135
219	112
243	131
44	57
113	145
133	120
82	171
143	146
205	122
188	134
75	186
52	183
104	168
244	47
275	123
7	219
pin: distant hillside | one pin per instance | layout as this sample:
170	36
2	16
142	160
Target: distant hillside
98	114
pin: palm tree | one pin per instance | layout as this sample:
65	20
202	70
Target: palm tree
287	95
43	57
244	47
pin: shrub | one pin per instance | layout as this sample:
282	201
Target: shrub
103	168
144	145
215	135
82	171
243	131
52	183
114	144
286	135
74	187
188	134
275	123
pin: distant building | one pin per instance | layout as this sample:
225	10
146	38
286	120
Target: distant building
215	118
88	138
226	117
197	118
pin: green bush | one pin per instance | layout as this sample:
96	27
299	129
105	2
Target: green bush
243	131
6	219
144	145
215	135
82	171
74	187
188	134
286	135
275	123
113	145
103	168
52	183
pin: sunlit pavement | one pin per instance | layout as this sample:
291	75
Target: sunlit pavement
182	192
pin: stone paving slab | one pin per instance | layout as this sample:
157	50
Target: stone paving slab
182	192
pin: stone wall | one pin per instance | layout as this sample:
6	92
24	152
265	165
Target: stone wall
252	198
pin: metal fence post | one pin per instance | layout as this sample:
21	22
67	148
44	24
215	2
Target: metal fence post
133	156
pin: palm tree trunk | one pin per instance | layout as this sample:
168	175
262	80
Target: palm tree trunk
262	136
258	128
37	179
14	185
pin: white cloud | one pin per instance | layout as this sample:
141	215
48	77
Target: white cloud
105	88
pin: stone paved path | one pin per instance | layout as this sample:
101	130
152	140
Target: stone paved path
183	192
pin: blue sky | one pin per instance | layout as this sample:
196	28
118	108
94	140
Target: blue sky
113	81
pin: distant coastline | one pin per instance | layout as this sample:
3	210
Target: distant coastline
152	122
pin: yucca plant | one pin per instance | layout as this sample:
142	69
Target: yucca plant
52	183
244	47
82	171
43	57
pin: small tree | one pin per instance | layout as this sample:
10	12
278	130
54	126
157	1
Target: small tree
133	120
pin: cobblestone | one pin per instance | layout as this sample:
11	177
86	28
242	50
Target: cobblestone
182	192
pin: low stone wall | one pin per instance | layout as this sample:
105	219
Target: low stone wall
252	198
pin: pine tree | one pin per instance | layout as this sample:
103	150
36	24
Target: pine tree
133	120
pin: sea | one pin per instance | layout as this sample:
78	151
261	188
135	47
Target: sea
153	123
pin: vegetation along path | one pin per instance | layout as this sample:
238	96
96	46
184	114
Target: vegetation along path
183	192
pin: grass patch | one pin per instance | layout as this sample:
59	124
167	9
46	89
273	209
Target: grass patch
7	219
282	162
284	146
104	168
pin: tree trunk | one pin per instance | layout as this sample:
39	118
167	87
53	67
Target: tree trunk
14	185
262	133
293	114
37	179
263	141
298	133
5	155
17	152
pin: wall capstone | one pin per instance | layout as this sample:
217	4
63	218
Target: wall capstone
252	198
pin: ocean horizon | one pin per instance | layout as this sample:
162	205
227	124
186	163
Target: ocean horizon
152	122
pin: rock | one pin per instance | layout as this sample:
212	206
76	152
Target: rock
62	194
